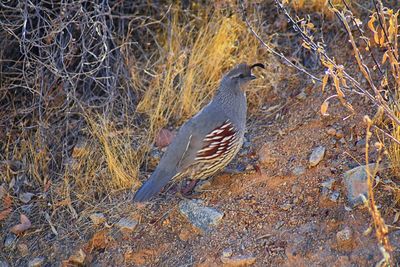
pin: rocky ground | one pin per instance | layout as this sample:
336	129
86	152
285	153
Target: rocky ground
295	204
295	201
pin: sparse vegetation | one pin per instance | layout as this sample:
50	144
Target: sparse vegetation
85	87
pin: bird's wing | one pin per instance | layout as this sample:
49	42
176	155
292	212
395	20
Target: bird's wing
213	140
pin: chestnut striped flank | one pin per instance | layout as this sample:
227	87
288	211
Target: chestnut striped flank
218	143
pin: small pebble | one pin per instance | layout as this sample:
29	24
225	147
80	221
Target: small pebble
298	170
126	225
201	216
334	196
339	134
331	131
328	183
356	184
316	156
226	253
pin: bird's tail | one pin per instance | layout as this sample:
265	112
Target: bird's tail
155	184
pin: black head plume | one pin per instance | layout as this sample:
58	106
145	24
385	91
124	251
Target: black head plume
257	65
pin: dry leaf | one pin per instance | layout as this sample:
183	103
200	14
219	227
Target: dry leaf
5	213
164	138
385	57
7	201
324	82
23	226
324	108
100	240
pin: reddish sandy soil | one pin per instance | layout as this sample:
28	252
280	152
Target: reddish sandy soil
275	216
272	214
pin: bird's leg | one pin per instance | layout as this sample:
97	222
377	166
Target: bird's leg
186	190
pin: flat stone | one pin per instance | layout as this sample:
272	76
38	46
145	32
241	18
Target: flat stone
298	170
97	218
355	181
26	197
10	241
36	262
127	225
238	261
202	217
316	155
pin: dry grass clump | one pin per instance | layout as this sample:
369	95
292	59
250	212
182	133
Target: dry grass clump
195	54
82	102
108	159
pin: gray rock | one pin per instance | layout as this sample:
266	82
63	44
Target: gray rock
4	264
316	155
26	197
126	225
36	262
298	170
204	218
10	241
355	181
334	196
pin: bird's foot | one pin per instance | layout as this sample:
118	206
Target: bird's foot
186	191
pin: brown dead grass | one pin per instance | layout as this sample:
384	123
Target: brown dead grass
196	51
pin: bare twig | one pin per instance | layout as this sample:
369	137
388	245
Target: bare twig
271	50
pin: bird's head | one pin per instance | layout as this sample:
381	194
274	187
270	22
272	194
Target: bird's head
241	74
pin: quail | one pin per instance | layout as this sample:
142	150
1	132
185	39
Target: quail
207	142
